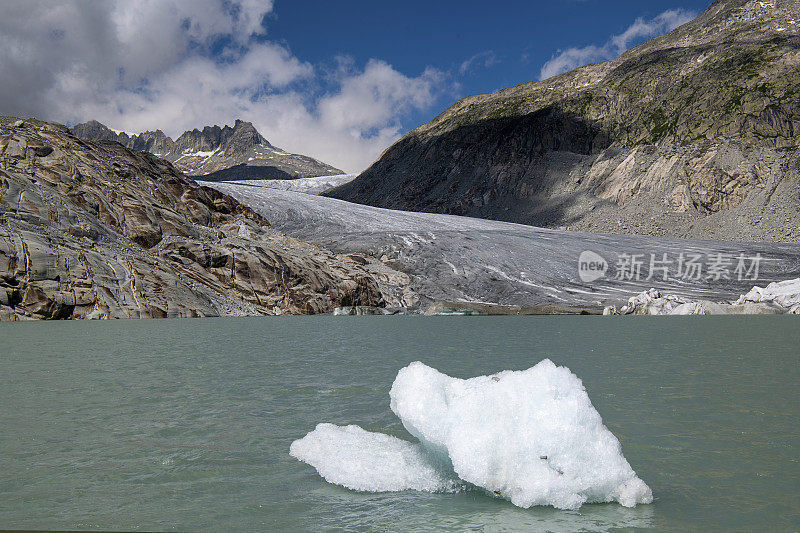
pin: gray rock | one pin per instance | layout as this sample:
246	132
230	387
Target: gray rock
98	231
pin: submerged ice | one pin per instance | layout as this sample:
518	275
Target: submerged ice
532	437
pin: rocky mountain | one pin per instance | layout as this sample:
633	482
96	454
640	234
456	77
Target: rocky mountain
692	134
215	153
92	229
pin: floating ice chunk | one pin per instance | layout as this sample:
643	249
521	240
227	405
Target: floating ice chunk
532	436
372	462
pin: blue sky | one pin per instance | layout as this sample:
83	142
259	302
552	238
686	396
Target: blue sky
340	81
510	40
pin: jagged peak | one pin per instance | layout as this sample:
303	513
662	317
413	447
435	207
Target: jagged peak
157	133
243	134
211	148
91	124
241	128
247	132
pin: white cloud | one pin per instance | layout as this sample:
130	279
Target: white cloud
485	59
575	57
373	97
146	64
347	128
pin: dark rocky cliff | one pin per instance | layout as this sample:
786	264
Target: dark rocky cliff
693	134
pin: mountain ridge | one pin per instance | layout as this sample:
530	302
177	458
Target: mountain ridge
691	134
238	152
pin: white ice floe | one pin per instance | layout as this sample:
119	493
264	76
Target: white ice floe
532	437
372	462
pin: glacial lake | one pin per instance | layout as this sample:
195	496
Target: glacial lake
186	424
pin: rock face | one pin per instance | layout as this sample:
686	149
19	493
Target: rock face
216	153
693	134
95	230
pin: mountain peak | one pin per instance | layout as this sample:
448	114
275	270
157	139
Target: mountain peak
229	140
245	135
94	130
239	150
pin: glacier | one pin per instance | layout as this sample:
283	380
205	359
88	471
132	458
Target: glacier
453	259
532	437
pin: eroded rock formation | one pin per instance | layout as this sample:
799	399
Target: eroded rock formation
96	230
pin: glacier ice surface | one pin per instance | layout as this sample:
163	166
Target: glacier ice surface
531	436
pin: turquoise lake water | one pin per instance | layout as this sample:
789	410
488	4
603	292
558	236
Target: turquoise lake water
186	424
